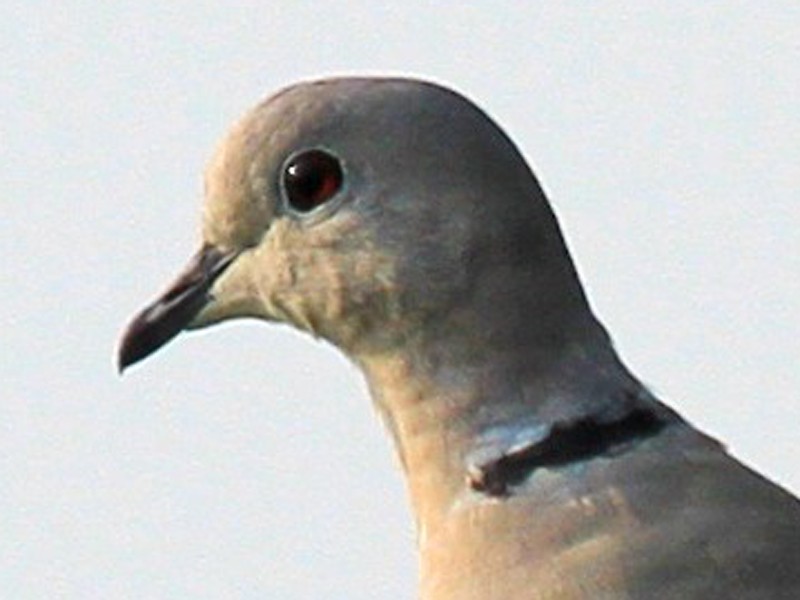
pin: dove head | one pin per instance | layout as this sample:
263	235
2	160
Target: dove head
373	213
394	219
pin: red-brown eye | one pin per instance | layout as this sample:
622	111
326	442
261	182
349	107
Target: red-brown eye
310	179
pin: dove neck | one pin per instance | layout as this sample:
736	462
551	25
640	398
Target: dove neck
445	398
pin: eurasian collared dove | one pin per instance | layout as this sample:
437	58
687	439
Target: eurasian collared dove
394	219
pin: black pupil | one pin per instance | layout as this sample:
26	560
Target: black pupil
312	178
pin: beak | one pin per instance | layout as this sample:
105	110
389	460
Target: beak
175	309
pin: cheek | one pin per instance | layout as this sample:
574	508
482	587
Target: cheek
342	295
277	279
337	287
301	280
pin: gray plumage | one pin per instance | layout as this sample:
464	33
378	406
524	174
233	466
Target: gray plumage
538	467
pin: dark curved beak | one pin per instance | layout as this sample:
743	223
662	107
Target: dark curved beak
174	310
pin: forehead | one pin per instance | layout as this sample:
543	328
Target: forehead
244	168
392	130
357	115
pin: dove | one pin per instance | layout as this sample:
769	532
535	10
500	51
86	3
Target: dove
395	220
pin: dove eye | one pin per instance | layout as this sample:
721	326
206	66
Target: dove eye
310	179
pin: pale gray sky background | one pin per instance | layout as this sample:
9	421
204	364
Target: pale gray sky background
245	461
